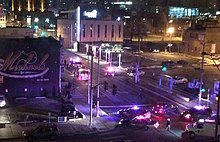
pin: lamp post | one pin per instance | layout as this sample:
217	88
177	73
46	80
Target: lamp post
170	31
202	39
98	81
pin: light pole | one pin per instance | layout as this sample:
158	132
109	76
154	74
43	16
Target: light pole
170	31
90	90
119	60
98	81
202	39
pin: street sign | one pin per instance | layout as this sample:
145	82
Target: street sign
216	87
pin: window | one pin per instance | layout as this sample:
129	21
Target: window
119	31
105	31
91	30
98	31
84	30
113	31
200	126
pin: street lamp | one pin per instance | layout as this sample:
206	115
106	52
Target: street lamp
202	40
98	81
170	31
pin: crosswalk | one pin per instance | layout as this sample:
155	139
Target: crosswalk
112	136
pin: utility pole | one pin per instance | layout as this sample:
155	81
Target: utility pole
137	76
217	114
91	77
201	38
91	90
98	81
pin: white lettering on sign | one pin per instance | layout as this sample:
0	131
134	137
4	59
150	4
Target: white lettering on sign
92	14
23	65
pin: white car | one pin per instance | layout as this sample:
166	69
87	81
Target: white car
133	73
2	101
179	80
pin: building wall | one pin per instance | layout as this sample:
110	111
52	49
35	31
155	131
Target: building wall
29	67
64	30
106	31
89	35
194	46
16	32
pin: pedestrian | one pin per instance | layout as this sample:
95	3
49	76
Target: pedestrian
140	93
168	124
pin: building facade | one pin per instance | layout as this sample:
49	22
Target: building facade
77	31
202	36
29	67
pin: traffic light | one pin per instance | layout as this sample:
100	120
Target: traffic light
203	90
164	68
114	89
105	86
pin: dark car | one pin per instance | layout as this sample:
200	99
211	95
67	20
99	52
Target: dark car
168	63
196	113
130	113
138	122
164	108
42	132
182	62
66	107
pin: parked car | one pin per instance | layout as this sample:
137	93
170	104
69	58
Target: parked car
179	80
164	108
196	113
67	107
168	63
133	73
182	62
2	101
47	131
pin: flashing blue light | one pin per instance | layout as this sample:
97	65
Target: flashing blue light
135	107
164	68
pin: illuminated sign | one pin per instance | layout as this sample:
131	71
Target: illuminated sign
92	14
180	12
23	65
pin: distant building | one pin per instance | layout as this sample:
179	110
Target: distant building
201	35
16	32
2	18
83	28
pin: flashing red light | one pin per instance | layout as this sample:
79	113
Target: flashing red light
110	69
188	116
145	116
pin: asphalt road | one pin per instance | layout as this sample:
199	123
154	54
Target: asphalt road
128	96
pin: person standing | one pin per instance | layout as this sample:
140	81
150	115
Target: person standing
168	124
